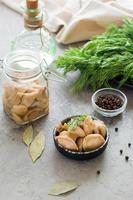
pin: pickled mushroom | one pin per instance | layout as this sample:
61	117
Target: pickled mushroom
67	142
61	127
92	142
64	133
88	125
28	98
16	118
76	133
9	91
32	114
100	127
44	103
21	89
20	110
42	94
80	144
25	103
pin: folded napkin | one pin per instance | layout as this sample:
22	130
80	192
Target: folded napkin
79	20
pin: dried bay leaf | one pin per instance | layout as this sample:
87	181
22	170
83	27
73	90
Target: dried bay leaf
63	187
37	146
28	135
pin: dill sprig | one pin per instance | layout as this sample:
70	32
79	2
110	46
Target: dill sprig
104	58
74	122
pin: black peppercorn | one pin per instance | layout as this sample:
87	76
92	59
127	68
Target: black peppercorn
98	172
109	102
126	158
116	129
121	151
129	145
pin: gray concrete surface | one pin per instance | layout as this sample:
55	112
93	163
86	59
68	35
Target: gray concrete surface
20	179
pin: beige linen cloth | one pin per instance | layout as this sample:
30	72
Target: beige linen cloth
79	20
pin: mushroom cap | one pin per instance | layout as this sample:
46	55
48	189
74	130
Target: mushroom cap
61	127
100	127
66	133
33	114
92	142
63	133
20	110
67	142
17	118
80	144
88	125
79	132
28	98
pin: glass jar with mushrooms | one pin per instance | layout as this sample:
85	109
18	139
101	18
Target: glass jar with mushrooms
25	89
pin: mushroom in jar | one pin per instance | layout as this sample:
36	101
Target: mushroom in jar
24	103
20	110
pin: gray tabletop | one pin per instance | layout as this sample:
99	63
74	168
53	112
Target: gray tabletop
20	179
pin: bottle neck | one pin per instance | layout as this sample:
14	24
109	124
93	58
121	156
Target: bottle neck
33	15
33	21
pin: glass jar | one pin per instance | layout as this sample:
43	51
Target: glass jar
25	88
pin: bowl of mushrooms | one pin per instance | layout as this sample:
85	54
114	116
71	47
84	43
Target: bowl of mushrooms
81	137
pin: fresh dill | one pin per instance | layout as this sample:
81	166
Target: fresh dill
106	57
74	122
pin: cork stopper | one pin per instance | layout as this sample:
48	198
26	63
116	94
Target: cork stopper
32	4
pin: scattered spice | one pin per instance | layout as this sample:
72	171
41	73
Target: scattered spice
129	145
109	102
121	151
127	158
98	172
116	129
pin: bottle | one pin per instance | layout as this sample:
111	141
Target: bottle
35	35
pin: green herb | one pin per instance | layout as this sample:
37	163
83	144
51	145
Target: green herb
74	122
104	58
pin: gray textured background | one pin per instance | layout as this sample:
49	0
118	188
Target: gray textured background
20	179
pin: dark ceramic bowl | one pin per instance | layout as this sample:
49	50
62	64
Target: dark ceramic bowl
79	155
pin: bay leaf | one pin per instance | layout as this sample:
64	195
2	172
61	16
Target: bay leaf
28	135
37	146
63	187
